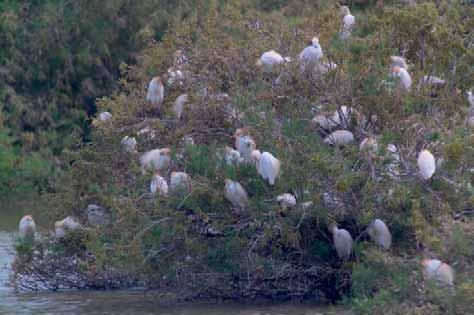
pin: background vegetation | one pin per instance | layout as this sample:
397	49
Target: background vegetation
267	251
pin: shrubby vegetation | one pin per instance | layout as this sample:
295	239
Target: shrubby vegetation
265	250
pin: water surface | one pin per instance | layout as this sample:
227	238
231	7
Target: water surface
107	302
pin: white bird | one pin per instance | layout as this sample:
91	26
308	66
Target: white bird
244	144
179	104
310	55
232	157
342	241
105	116
397	61
340	138
470	98
380	234
436	270
129	144
348	22
27	227
97	216
369	144
271	60
65	225
426	164
286	200
268	166
159	184
404	77
156	92
158	160
180	181
236	194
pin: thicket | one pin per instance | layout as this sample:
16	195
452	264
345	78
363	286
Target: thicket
267	251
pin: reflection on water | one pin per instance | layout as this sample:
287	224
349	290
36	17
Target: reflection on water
106	302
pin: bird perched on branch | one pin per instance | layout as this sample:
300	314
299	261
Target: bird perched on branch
426	164
65	225
159	184
129	144
267	165
27	227
348	22
271	60
404	77
310	56
245	144
442	273
380	234
158	160
342	241
236	194
156	92
339	138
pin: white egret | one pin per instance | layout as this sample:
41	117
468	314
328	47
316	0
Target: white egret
310	55
129	144
342	241
426	164
470	98
380	234
156	92
397	61
348	22
27	227
179	104
286	200
232	157
435	269
244	144
339	138
65	225
236	194
271	60
267	166
105	116
159	184
158	160
404	77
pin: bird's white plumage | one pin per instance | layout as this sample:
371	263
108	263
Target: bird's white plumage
340	138
271	60
66	225
286	200
236	194
105	116
404	77
380	234
435	269
232	157
179	104
159	184
426	164
129	144
27	227
158	160
245	145
156	92
470	98
397	61
180	181
343	242
310	56
268	167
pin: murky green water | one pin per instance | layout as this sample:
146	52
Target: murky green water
110	302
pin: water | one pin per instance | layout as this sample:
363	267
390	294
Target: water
108	302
